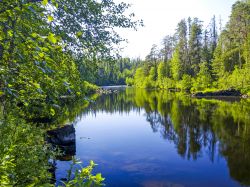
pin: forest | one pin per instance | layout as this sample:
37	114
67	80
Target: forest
200	57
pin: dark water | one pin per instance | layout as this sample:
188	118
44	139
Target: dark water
156	138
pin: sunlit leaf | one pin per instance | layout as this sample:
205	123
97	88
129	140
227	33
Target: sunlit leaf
51	37
44	2
41	55
79	34
50	18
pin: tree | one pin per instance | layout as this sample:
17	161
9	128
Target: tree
186	82
152	74
210	40
182	45
86	26
203	79
139	77
175	65
168	48
161	71
195	46
233	47
153	56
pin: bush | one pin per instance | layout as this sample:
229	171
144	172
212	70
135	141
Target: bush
129	81
203	79
89	88
186	82
84	176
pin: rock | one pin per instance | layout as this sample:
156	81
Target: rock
65	139
221	93
106	91
245	96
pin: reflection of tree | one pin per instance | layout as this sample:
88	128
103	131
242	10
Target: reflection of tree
232	125
195	126
154	120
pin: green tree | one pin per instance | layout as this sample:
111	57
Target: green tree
168	48
139	77
175	65
182	45
195	46
203	79
186	82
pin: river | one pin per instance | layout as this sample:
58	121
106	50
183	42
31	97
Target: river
156	138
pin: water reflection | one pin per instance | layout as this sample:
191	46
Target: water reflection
196	127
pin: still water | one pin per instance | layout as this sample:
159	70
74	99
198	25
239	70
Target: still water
157	138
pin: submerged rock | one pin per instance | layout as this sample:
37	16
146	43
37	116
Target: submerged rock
65	139
221	93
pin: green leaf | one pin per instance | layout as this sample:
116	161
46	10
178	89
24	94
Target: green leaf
52	38
99	177
34	35
91	163
10	33
79	34
55	3
50	18
44	2
52	111
41	55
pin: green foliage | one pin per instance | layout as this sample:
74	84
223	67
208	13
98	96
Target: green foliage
87	25
161	71
89	88
186	82
203	79
111	72
176	66
195	46
84	176
139	77
152	74
239	79
24	155
129	81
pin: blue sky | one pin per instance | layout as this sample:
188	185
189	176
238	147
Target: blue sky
161	17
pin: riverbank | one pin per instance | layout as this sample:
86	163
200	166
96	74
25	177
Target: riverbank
208	92
220	93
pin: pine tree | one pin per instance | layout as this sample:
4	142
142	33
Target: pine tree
182	45
195	46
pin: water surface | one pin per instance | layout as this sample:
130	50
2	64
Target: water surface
156	138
